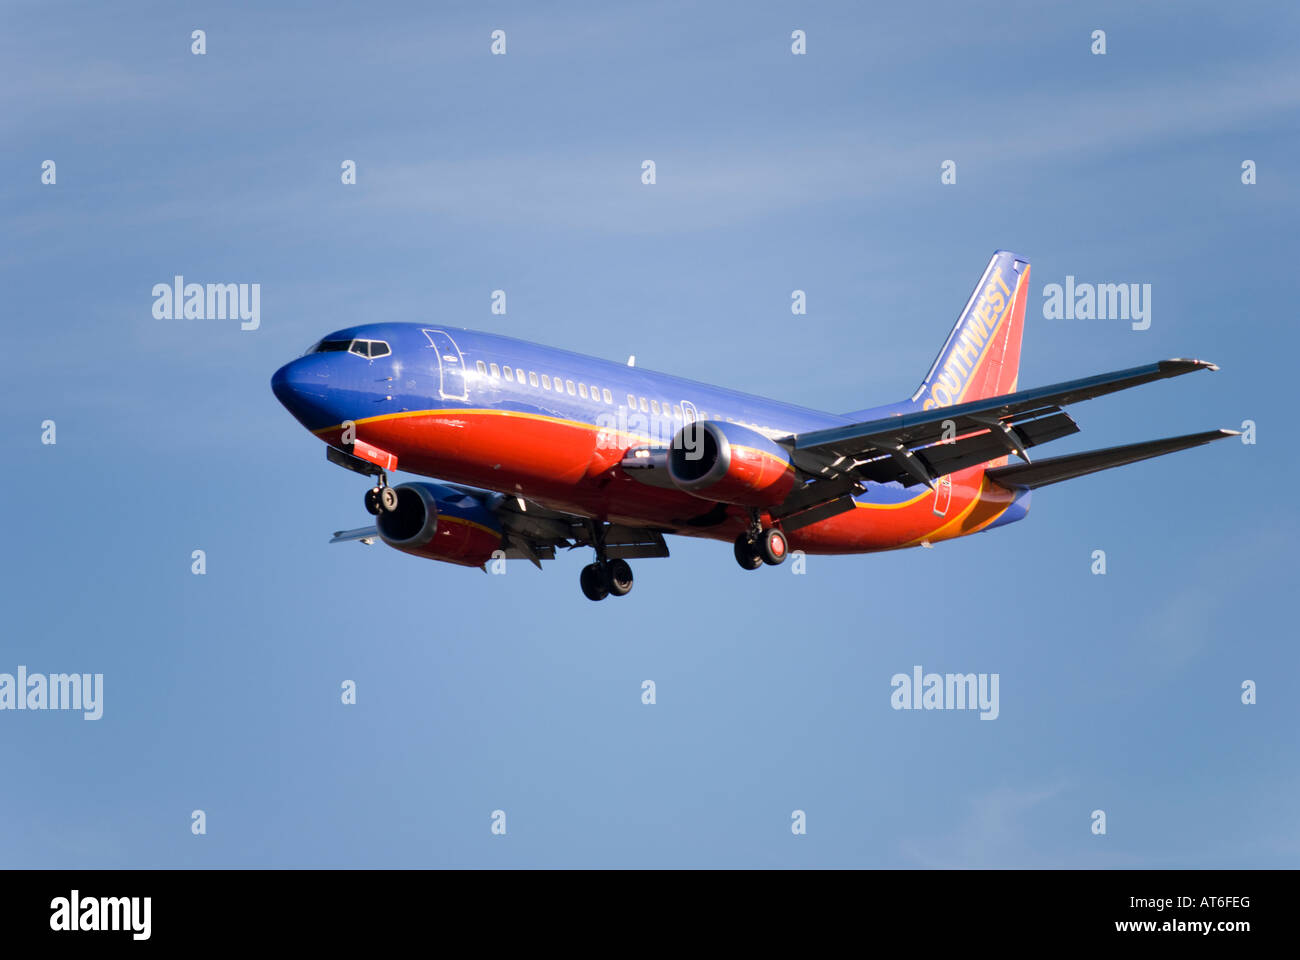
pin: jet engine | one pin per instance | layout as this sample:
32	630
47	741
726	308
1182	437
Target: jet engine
440	523
728	463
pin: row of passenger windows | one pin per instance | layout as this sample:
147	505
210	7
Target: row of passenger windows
583	390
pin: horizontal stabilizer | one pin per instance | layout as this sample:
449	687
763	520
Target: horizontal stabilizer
1044	472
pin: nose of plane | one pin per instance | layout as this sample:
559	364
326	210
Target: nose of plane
302	386
286	382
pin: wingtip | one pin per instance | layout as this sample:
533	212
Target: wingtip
1187	365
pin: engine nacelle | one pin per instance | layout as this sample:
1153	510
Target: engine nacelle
729	463
441	523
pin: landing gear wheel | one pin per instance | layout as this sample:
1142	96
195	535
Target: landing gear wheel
747	554
618	574
593	582
773	547
372	501
388	499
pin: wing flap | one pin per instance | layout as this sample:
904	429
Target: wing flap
945	458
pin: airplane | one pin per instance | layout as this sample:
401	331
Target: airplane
534	449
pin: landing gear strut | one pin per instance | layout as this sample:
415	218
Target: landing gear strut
381	498
605	577
747	553
757	546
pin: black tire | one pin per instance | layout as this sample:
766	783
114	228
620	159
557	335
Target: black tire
388	499
372	501
747	553
773	547
618	574
593	582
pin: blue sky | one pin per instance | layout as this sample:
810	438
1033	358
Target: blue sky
522	172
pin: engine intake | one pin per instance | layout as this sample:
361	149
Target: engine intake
728	463
440	523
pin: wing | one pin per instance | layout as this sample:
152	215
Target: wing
533	532
923	446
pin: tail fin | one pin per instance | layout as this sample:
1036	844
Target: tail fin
981	357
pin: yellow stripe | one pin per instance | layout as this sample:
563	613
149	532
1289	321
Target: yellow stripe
891	506
785	464
935	533
991	520
462	410
530	416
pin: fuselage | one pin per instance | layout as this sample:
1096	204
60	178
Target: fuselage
552	426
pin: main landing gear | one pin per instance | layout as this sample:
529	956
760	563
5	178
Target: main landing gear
382	498
605	577
757	546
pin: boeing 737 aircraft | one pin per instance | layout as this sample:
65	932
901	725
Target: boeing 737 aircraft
535	448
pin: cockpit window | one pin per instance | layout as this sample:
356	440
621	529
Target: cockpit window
330	346
362	348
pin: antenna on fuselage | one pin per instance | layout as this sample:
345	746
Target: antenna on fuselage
631	361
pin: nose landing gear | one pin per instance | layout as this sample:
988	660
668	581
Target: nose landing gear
381	498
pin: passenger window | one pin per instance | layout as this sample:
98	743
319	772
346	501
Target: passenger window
644	406
559	384
510	374
568	386
609	397
532	379
496	371
582	390
482	368
631	402
677	410
546	382
654	407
